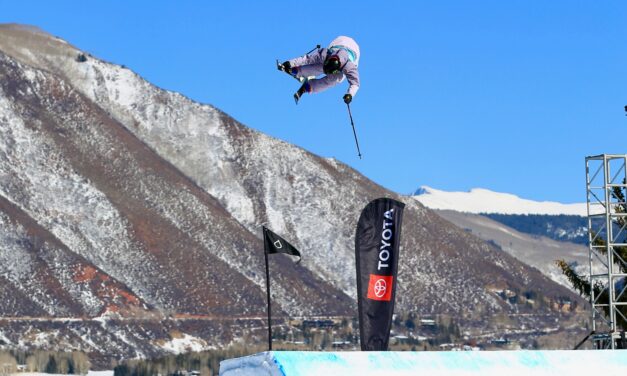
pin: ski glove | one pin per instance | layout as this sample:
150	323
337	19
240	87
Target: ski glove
347	98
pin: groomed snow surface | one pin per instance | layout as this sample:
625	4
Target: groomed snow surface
444	363
480	200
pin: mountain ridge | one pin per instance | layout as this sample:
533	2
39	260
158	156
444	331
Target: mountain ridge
167	196
480	200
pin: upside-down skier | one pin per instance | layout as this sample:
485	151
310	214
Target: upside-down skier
336	62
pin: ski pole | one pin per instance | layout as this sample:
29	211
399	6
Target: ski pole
354	132
312	50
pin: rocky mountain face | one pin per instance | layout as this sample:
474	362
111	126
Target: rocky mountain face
129	213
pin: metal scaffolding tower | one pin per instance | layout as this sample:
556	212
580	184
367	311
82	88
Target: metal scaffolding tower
606	183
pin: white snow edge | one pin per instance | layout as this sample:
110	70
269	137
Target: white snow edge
479	200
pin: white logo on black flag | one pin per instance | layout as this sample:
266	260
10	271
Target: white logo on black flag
273	243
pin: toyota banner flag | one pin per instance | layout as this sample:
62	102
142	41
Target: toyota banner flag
376	254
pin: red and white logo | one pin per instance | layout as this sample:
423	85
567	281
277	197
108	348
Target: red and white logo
380	287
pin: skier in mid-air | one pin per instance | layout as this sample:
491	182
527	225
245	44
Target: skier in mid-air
336	62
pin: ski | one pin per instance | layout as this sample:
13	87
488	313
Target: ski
280	67
297	96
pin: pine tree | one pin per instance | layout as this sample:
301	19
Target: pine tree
80	363
7	364
122	370
70	367
51	367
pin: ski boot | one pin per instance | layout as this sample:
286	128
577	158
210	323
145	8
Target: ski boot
303	89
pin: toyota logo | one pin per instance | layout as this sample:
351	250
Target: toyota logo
379	288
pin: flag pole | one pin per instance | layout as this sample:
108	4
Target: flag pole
273	243
265	252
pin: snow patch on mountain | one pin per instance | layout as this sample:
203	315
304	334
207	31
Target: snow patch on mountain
185	343
167	121
479	200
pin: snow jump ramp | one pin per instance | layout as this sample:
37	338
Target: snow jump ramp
445	363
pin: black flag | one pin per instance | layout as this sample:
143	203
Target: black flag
376	254
273	243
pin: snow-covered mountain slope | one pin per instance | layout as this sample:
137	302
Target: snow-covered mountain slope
165	197
539	252
134	210
485	201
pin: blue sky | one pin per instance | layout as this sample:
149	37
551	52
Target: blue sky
505	95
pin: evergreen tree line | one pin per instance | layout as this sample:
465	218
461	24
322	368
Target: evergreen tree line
545	225
206	363
66	363
444	330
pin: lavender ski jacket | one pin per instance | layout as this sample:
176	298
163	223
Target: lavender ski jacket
311	65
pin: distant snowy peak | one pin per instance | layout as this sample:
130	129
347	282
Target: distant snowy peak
480	200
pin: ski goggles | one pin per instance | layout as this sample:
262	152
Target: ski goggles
332	65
